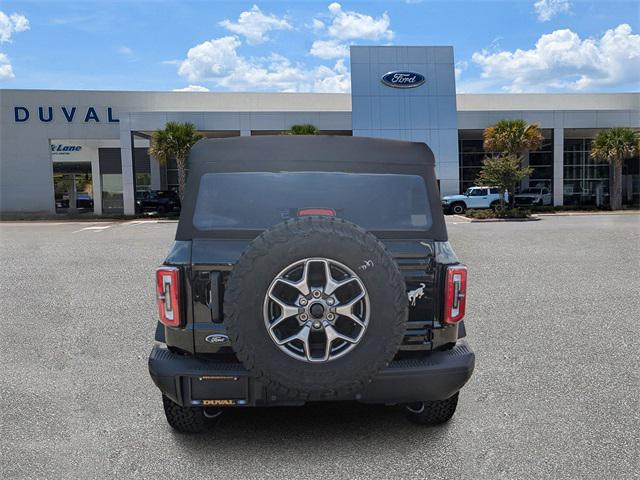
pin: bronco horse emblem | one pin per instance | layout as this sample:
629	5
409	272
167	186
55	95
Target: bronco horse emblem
416	294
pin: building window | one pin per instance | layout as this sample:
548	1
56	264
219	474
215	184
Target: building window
172	174
111	179
631	182
586	181
143	182
542	163
472	156
142	168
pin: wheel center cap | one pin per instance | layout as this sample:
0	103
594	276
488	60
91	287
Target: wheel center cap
316	310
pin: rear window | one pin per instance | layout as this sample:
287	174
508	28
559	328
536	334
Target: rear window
258	200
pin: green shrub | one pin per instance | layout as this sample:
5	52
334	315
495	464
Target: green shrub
482	214
515	213
490	213
304	129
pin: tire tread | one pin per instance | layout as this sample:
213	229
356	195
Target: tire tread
281	234
435	412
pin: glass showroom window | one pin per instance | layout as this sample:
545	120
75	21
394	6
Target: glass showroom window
143	182
631	182
542	163
586	181
172	174
471	157
112	200
142	165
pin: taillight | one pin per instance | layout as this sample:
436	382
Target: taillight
327	212
168	290
455	294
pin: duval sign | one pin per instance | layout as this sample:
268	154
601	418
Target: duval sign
65	113
402	79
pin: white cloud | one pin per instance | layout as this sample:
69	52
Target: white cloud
218	61
210	59
328	49
547	9
346	26
192	88
10	24
460	67
317	25
6	70
561	60
332	80
349	25
125	51
254	25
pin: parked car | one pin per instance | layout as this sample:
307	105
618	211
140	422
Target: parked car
473	197
315	269
534	196
84	201
160	201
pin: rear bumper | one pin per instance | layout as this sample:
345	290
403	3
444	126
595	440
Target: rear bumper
193	381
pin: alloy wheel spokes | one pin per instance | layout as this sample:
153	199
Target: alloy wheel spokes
312	314
301	285
331	285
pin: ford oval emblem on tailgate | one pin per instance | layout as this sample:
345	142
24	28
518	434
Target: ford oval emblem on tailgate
402	79
217	338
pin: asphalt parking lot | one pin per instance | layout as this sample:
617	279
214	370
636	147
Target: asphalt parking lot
553	317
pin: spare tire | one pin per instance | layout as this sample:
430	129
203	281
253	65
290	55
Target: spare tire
315	308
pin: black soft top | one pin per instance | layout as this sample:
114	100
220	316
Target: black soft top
304	153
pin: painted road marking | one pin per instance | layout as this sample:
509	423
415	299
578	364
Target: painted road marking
94	228
140	222
456	220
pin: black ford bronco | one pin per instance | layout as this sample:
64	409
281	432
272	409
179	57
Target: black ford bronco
310	268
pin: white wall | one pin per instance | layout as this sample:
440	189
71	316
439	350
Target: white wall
26	176
426	113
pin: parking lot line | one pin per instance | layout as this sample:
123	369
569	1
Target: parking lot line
94	228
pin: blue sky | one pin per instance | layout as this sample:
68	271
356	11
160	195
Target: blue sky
500	46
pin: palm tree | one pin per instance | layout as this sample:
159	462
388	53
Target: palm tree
614	146
513	139
304	129
175	141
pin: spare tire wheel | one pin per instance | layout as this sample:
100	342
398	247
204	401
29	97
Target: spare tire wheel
315	308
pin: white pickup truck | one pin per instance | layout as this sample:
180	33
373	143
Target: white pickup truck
534	196
474	197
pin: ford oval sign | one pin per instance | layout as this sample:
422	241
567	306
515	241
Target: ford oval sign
403	79
217	338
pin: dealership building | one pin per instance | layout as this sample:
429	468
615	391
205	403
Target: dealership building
64	151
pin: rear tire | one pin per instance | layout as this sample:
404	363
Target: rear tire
189	419
310	239
458	208
431	412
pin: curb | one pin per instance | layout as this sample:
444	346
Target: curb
577	214
45	219
493	220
